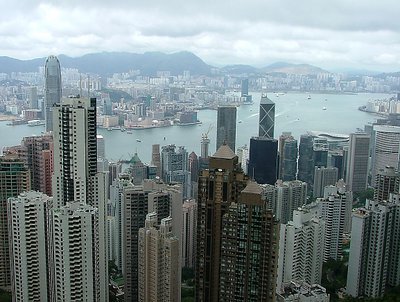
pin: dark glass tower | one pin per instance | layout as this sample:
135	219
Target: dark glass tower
306	162
267	117
263	160
289	160
245	88
226	126
52	89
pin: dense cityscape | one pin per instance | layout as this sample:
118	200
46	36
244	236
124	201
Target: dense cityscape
282	219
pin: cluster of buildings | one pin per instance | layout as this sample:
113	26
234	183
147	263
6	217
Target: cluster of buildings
254	226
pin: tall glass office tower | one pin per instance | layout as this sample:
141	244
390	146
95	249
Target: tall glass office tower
52	89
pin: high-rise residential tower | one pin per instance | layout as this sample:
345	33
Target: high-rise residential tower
226	126
249	249
387	181
79	204
189	224
357	162
27	216
287	197
52	89
75	150
235	233
301	249
374	262
159	261
14	179
385	149
335	209
323	177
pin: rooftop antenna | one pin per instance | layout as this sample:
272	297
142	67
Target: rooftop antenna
88	86
80	85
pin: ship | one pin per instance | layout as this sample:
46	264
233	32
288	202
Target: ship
34	123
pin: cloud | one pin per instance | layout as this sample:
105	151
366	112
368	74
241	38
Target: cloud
331	34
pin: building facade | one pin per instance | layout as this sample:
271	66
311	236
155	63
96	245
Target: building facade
14	179
27	218
226	126
53	87
159	261
357	162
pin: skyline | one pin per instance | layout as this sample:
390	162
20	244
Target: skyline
357	35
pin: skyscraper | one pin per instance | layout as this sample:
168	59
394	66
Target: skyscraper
218	188
306	161
267	117
335	209
159	261
77	254
323	177
288	196
320	152
374	261
357	162
14	179
40	161
52	89
226	126
387	181
75	150
174	167
249	249
101	148
189	208
301	249
232	219
385	149
27	216
79	202
287	157
263	160
155	158
134	215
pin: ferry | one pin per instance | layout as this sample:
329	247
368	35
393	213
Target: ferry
34	123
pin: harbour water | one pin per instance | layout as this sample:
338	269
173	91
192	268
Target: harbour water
337	113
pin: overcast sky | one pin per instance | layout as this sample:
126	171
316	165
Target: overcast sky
362	34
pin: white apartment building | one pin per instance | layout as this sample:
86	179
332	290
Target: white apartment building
288	196
301	249
76	248
374	249
385	149
335	209
28	244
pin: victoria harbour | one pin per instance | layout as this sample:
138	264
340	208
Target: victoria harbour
295	112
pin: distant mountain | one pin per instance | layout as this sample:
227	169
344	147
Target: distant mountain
289	68
357	72
388	74
8	65
107	63
239	69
